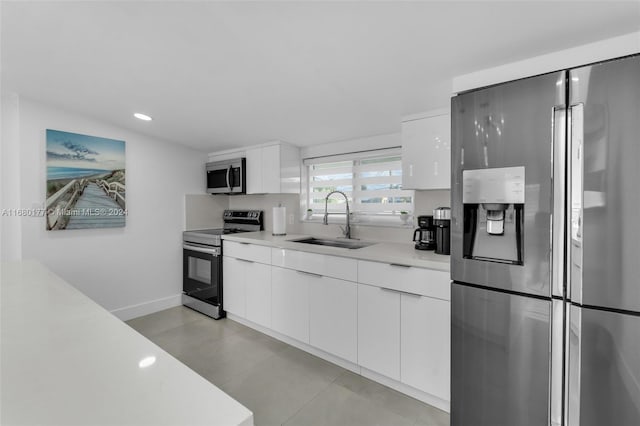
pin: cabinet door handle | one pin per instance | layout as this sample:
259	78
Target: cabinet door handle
245	260
393	290
311	274
399	265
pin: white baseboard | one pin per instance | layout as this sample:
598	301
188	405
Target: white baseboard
133	311
393	384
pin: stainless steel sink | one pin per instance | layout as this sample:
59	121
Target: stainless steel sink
349	244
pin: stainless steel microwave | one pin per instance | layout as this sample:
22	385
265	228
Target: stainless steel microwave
227	177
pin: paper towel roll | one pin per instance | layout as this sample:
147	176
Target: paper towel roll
279	221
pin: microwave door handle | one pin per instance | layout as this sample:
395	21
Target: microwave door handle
229	177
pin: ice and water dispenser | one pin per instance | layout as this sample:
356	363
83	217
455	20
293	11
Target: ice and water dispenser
493	202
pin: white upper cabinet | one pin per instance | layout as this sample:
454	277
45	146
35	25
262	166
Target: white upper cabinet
426	151
254	170
273	169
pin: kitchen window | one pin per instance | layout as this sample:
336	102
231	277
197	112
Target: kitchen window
372	180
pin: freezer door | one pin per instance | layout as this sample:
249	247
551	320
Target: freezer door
500	346
506	126
604	238
604	368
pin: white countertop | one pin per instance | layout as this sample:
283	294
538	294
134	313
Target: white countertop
67	361
401	253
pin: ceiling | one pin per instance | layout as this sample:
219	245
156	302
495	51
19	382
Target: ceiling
217	75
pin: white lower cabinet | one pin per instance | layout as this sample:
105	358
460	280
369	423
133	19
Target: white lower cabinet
379	330
425	344
290	302
333	318
246	289
258	293
394	321
233	286
405	337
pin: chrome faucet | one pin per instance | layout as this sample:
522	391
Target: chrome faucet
325	220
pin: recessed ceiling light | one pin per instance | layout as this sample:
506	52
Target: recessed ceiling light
147	362
142	116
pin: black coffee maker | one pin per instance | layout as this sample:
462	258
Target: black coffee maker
425	235
442	222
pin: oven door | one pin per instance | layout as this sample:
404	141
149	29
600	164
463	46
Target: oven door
202	272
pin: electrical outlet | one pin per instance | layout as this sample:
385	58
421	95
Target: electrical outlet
291	218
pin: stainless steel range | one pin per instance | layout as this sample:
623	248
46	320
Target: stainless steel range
202	261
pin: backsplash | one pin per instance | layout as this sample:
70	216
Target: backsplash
267	202
427	201
202	211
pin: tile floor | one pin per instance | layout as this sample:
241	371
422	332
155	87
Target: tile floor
281	384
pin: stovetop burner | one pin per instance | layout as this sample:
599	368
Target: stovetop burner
235	221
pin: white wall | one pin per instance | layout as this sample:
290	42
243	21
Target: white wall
132	270
10	232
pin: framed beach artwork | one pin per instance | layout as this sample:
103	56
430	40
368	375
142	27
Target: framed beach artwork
86	185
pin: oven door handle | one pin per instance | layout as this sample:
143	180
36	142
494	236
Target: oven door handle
214	251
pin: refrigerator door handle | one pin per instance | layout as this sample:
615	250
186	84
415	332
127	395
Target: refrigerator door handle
559	158
557	362
576	202
573	366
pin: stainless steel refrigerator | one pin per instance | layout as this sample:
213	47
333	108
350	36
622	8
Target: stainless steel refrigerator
545	249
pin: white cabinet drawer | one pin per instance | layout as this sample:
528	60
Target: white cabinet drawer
410	279
341	267
253	252
300	260
321	264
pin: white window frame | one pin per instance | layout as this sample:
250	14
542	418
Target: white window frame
358	217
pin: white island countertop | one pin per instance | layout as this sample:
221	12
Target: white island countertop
67	361
400	253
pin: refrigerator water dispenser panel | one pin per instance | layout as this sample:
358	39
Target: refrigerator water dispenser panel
493	214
